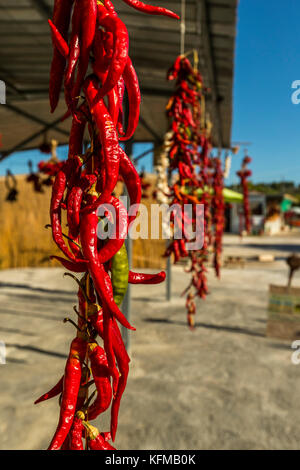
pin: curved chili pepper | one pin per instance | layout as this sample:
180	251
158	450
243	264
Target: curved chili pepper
101	60
70	74
114	244
113	105
61	20
101	375
74	50
140	278
88	18
133	184
69	171
120	90
58	41
134	99
120	49
72	378
117	400
108	139
74	202
102	281
56	390
76	267
152	10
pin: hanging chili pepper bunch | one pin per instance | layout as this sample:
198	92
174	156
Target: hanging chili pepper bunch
11	186
218	208
244	175
34	178
201	139
84	184
189	135
145	185
48	168
181	159
161	169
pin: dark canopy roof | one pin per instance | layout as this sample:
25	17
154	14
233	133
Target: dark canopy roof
25	54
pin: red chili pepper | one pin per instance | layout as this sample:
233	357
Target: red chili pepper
72	379
88	17
95	439
58	41
56	390
56	202
133	184
108	139
74	202
61	19
121	90
113	105
101	375
102	281
134	99
117	239
120	49
140	278
152	10
124	370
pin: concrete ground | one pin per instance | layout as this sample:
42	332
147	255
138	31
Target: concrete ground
223	386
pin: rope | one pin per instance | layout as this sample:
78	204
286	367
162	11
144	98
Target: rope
182	28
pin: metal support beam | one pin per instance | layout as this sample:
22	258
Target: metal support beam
33	118
126	304
21	145
148	128
169	279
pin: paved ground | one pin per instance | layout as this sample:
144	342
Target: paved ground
224	386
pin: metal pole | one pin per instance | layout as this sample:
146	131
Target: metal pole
21	145
169	264
169	279
126	304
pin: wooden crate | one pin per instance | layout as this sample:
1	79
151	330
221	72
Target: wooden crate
284	312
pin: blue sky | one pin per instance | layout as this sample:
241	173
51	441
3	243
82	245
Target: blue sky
267	62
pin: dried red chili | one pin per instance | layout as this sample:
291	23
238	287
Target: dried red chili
81	184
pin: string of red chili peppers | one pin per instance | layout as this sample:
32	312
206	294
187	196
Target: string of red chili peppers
85	181
218	208
196	182
244	175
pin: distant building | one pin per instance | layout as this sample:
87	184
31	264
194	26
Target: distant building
235	214
267	213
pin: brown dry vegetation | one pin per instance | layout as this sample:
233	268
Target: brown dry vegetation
24	242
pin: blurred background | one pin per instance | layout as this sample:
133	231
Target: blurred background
231	383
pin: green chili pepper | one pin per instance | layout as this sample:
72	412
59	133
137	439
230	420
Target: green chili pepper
119	274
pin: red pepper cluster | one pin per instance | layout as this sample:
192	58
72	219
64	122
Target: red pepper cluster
83	183
44	176
218	208
181	151
244	175
199	176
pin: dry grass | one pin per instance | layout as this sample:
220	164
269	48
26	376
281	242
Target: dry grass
23	239
25	242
